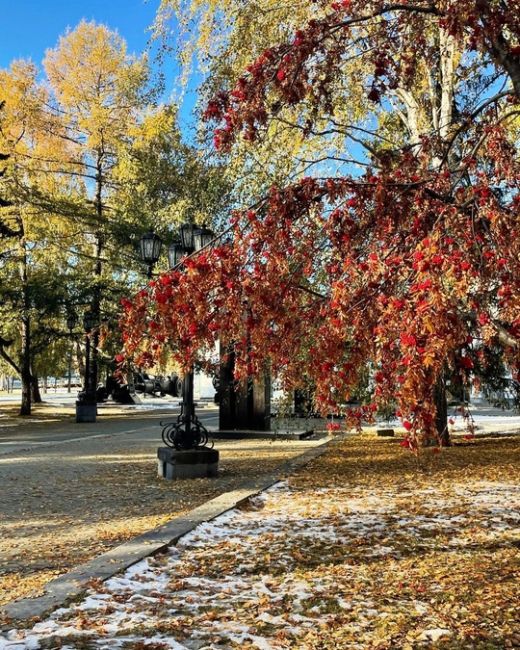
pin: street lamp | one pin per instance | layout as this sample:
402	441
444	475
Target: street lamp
202	237
150	248
176	253
186	232
72	319
187	432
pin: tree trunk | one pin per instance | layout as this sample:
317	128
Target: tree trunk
25	374
500	50
98	271
25	332
80	357
35	390
441	418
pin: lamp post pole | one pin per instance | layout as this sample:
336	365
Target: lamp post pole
187	439
86	407
86	383
71	323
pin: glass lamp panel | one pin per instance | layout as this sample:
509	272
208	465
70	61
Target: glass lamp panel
176	253
202	237
72	319
150	246
186	233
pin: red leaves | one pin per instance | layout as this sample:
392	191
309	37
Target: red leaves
408	340
466	363
341	274
326	368
341	6
374	95
422	306
213	111
333	426
426	285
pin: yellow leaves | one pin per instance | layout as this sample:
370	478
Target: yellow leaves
96	83
155	124
429	360
209	27
23	98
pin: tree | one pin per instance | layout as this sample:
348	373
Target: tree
91	163
23	136
3	157
97	93
136	172
162	181
62	141
405	265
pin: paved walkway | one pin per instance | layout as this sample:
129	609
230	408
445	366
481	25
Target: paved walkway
69	492
21	436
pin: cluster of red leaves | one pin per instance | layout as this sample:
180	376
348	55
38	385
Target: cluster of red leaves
328	274
404	268
307	66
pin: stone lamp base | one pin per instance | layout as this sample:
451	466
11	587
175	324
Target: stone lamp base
191	463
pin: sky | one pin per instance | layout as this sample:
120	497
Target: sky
29	27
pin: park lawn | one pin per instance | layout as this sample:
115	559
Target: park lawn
368	547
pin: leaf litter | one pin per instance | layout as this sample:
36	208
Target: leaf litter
366	548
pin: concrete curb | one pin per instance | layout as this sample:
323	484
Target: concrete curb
73	584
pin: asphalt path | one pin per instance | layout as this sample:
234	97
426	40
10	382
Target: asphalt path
24	437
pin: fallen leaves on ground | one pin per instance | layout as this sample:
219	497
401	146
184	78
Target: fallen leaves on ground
51	521
367	548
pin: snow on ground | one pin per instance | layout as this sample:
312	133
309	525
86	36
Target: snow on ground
287	562
486	418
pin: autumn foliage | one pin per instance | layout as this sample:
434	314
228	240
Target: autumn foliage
411	267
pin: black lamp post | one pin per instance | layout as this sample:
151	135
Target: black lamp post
150	249
89	323
72	319
86	407
187	432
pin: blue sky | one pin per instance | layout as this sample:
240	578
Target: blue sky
29	27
